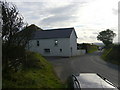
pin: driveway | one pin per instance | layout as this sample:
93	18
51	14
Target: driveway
89	63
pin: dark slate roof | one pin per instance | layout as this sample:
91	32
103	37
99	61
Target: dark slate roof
53	33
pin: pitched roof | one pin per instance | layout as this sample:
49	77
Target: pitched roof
53	33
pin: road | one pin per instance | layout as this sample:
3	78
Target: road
88	63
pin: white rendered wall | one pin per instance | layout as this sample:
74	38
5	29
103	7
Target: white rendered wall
63	43
81	52
73	44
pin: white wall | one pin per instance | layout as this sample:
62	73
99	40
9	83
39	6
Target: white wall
81	52
63	43
68	46
73	44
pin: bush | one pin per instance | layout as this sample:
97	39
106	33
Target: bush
13	51
112	54
12	57
92	48
32	60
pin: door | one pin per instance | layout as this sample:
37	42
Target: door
71	50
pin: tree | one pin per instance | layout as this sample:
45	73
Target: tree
22	37
12	24
15	36
106	36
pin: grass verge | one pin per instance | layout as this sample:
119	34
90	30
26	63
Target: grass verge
92	49
112	55
41	75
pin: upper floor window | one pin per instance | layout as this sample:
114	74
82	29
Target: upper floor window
56	42
38	43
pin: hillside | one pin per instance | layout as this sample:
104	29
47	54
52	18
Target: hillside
112	54
38	74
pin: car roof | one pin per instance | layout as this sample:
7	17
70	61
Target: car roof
92	80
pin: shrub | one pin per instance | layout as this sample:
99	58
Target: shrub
112	54
32	60
12	57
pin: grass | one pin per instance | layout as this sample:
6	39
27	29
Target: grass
92	49
112	55
39	76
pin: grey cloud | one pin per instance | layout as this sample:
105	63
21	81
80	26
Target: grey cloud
81	38
61	15
32	10
115	11
34	17
82	1
29	6
85	36
64	21
55	15
79	26
56	19
95	33
92	37
69	9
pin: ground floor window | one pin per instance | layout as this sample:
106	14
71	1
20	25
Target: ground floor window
37	43
47	50
60	50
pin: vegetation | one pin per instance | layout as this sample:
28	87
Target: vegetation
111	51
20	68
112	54
12	25
37	74
15	36
92	48
12	21
106	37
88	47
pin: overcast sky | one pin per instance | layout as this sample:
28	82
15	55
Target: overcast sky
88	17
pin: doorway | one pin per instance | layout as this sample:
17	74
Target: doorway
71	50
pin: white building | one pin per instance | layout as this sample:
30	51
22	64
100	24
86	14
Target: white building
54	42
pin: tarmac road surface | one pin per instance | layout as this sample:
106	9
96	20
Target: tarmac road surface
88	63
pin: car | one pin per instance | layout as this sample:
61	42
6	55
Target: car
100	48
91	81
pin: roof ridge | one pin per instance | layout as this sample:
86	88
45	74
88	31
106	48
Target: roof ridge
58	29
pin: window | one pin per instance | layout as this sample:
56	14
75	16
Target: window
47	50
56	42
60	50
38	43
